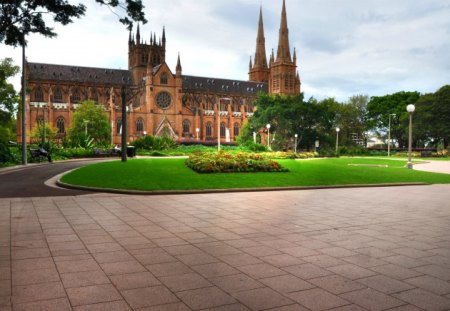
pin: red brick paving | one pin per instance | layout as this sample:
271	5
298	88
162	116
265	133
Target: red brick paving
343	249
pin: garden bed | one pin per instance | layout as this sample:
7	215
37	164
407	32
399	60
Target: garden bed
223	162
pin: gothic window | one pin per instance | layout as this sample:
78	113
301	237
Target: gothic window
163	100
235	107
40	121
164	78
38	95
186	127
60	125
119	126
57	96
209	129
75	97
236	129
94	95
139	125
222	129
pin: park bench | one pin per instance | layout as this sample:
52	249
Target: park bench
36	154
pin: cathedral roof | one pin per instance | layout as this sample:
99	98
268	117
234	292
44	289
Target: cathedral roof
64	73
214	85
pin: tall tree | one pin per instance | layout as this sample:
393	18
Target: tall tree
8	96
18	18
351	119
379	108
432	117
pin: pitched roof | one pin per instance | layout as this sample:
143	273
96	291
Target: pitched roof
225	86
64	73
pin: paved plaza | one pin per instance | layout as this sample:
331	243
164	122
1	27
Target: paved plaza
339	249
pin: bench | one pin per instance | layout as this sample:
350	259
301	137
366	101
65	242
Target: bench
36	154
106	152
426	154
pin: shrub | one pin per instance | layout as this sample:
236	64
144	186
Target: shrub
154	143
224	162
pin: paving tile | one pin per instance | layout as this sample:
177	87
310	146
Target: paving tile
236	283
119	305
5	288
372	299
430	284
134	280
205	298
323	261
61	304
242	259
352	307
30	264
405	261
385	284
232	307
77	266
215	269
92	294
262	270
286	283
351	271
79	279
153	256
170	268
337	252
396	272
104	247
318	299
294	307
307	271
282	260
365	261
182	282
34	276
262	298
336	284
259	251
178	306
424	299
122	267
30	253
112	257
35	292
197	259
299	251
436	271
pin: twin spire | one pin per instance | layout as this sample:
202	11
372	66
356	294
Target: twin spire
283	51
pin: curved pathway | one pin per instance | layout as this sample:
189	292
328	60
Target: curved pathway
434	166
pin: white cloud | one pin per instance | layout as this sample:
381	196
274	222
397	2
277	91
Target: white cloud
344	47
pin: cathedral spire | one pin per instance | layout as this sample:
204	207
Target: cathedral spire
260	54
283	52
129	38
178	69
164	36
138	35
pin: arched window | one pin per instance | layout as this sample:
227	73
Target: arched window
40	121
186	127
139	125
94	95
60	125
236	129
119	126
164	79
209	129
222	129
75	97
38	95
57	96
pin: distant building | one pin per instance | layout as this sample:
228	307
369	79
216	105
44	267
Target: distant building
164	103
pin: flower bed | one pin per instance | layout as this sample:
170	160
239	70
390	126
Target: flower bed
223	162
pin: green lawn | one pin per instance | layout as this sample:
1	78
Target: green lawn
171	174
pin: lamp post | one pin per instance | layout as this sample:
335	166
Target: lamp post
268	135
337	140
410	108
85	126
389	134
218	122
295	143
197	130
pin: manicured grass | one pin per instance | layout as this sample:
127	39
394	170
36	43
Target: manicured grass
172	174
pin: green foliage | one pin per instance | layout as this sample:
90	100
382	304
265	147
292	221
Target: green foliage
21	17
351	119
8	96
43	133
223	162
93	118
148	142
250	145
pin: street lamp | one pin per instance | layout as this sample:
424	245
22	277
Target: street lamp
218	122
85	126
295	143
268	135
197	130
337	140
389	134
410	108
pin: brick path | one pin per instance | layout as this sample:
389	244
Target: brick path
346	249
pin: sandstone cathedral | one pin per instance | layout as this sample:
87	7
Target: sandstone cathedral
164	103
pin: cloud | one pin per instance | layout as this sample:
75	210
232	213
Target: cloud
346	47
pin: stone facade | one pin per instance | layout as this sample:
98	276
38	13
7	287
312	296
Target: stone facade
160	102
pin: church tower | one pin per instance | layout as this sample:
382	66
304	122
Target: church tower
284	78
259	71
141	53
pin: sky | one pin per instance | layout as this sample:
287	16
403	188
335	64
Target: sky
344	47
